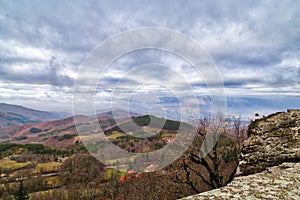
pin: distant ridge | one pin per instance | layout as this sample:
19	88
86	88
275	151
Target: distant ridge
117	113
51	133
11	115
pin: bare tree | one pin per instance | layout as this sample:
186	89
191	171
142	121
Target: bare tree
206	163
239	131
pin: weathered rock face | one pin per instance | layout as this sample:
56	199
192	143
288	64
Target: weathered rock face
273	140
269	163
279	182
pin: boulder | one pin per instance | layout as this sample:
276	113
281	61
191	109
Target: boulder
269	166
272	140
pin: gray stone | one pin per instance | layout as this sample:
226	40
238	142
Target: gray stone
273	140
269	166
279	182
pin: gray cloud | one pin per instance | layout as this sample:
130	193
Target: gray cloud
255	44
36	73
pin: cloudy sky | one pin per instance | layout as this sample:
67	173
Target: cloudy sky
254	44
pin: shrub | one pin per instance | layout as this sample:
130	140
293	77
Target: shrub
81	168
23	137
34	130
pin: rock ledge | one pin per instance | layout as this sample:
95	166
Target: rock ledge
269	166
279	182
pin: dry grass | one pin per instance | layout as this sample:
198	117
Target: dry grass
115	135
88	137
54	181
47	167
7	163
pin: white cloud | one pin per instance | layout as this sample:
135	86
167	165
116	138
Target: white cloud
254	44
15	50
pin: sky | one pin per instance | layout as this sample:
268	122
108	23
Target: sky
255	46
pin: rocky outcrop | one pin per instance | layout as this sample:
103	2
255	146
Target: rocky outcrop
273	140
269	166
279	182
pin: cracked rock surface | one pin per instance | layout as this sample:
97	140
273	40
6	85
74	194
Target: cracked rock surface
273	140
269	166
279	182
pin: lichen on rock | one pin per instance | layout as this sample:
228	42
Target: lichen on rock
269	166
278	182
273	140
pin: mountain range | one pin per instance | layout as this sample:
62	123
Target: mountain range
50	129
11	115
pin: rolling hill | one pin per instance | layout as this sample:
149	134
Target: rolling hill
11	115
63	133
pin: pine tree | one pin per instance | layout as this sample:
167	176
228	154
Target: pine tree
21	193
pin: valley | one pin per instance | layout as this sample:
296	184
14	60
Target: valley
51	160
